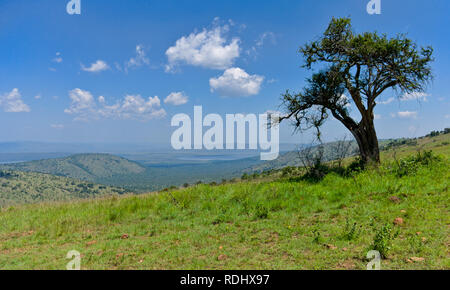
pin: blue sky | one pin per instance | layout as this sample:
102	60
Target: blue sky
106	75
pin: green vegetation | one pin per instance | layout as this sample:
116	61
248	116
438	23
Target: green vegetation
362	66
28	187
270	221
89	167
117	171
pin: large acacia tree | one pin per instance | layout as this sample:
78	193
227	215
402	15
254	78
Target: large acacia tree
355	68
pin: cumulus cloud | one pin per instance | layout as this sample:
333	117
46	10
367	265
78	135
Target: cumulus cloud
235	82
12	102
85	107
415	96
208	48
97	66
176	99
407	115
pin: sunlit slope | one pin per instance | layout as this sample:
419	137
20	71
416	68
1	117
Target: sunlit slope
90	167
268	222
29	187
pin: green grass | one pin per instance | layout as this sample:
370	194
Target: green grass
265	223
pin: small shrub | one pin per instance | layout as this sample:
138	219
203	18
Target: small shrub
261	212
221	218
410	165
317	237
383	239
356	166
351	231
317	172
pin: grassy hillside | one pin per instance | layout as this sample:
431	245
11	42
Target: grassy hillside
89	167
269	222
29	187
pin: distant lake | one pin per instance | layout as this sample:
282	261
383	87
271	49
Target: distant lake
11	162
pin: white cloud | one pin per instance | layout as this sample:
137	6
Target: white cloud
208	48
235	82
377	117
57	126
387	102
344	101
176	99
38	97
81	101
58	58
407	115
139	60
415	96
447	116
12	102
97	66
264	37
84	107
260	42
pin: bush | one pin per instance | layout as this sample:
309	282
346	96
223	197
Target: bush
383	239
261	212
317	172
351	231
356	166
411	164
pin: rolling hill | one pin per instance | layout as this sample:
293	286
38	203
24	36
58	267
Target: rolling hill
89	167
117	171
30	187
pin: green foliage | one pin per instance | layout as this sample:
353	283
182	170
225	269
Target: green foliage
410	165
351	231
383	240
28	187
268	223
363	66
261	211
355	166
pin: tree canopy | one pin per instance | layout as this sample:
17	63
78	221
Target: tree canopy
355	68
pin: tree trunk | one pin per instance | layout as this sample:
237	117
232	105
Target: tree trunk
367	140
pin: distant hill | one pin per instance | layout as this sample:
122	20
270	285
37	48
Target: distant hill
89	167
117	171
29	187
